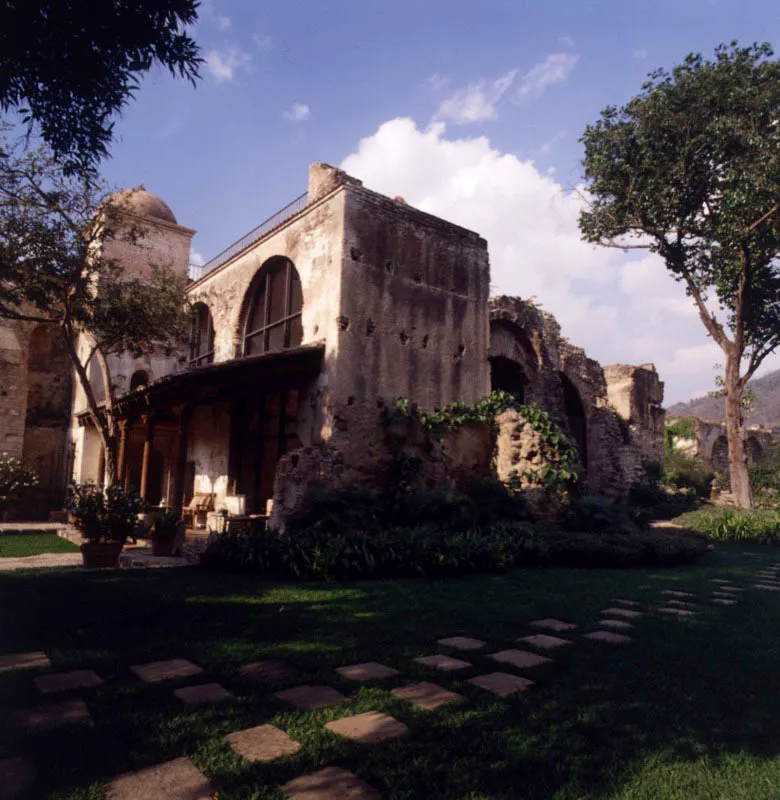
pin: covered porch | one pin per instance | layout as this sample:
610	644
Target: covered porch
216	431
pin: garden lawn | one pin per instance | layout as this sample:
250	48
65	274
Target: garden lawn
687	710
33	544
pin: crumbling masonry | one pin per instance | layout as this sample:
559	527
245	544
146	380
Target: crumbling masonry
302	332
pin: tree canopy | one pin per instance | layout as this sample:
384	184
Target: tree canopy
690	169
68	66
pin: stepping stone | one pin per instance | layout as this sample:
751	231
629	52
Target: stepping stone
462	643
268	671
623	612
179	779
616	624
56	715
370	727
502	683
723	602
33	660
731	589
624	602
519	658
677	612
370	671
156	671
682	604
544	642
67	681
442	663
16	775
331	783
307	698
675	593
554	625
608	637
721	580
263	743
427	696
205	693
767	588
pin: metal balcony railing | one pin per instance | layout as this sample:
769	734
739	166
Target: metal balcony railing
199	271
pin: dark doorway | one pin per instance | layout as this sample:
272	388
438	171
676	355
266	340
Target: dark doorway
507	376
575	416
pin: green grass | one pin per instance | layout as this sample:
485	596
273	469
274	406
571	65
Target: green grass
687	711
722	523
33	544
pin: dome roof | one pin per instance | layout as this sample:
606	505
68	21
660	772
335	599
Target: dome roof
145	204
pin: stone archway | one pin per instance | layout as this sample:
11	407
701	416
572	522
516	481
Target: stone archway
576	417
754	450
720	455
508	376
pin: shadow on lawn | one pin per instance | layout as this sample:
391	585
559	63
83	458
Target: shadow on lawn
680	692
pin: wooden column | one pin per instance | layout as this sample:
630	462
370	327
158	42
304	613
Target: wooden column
148	443
185	414
122	454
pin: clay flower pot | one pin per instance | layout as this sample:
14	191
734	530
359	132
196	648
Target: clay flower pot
163	545
101	555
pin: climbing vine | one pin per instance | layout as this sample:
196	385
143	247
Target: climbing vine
559	473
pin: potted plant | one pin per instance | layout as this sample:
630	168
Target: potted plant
105	518
167	533
14	477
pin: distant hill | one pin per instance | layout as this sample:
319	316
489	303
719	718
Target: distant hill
766	389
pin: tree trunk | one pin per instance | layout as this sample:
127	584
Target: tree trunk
735	435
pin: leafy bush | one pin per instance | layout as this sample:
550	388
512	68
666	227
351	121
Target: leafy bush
357	508
166	522
684	472
314	554
737	525
14	476
109	515
765	479
596	515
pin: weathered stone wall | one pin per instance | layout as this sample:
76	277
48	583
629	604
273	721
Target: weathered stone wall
710	441
13	386
578	394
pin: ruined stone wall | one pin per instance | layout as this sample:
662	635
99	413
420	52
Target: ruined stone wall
578	394
13	386
711	445
413	320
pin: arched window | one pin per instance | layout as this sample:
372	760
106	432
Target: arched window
139	378
273	317
201	336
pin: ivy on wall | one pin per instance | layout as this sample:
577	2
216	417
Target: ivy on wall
558	474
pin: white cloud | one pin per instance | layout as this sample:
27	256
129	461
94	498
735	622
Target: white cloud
566	41
196	258
299	112
437	82
555	68
477	101
619	307
223	64
641	54
222	23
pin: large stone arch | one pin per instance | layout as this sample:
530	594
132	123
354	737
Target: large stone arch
576	417
719	455
754	449
514	364
271	310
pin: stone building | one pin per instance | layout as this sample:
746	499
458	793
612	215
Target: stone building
709	442
302	332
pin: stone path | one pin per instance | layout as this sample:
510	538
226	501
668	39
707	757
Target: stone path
45	560
180	779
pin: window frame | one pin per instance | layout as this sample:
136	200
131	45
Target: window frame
260	287
198	357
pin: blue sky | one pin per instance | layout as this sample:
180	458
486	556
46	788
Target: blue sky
470	111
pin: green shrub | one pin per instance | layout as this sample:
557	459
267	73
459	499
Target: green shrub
738	525
424	550
14	477
109	515
596	515
685	472
765	479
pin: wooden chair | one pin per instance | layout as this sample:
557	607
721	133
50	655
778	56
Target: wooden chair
194	514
